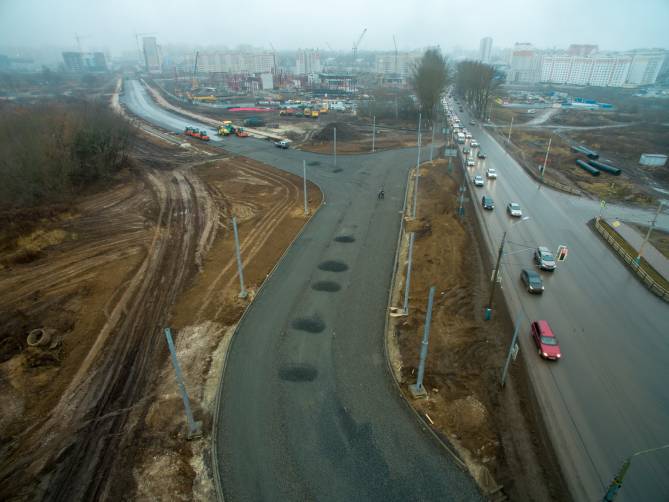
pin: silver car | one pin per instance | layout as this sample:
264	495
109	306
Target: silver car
544	258
513	208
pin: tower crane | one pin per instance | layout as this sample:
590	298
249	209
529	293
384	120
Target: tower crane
194	82
397	69
357	44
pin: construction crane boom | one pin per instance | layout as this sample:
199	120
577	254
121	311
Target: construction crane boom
357	44
396	56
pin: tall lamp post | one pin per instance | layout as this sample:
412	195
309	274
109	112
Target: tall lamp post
617	482
488	310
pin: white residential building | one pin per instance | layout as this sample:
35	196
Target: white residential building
645	67
525	64
401	64
308	62
485	49
228	62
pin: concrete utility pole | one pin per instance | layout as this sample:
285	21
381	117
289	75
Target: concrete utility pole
240	268
513	343
335	146
304	186
543	169
432	142
373	133
650	229
415	196
194	427
488	310
510	127
417	390
407	284
617	482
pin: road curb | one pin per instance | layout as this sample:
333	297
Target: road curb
218	483
422	422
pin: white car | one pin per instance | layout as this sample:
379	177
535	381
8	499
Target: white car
478	180
491	173
471	162
513	208
474	143
468	135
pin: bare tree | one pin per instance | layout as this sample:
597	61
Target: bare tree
430	77
476	82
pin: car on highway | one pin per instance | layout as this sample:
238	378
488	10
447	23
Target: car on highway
487	202
466	150
281	144
474	143
481	155
545	340
544	258
513	208
491	173
532	281
471	162
478	180
472	122
468	135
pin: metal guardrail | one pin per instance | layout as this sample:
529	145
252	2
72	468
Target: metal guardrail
650	283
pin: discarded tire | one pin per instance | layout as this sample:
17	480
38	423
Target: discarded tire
38	338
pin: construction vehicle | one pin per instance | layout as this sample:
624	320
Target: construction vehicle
324	108
226	128
314	114
196	133
208	99
307	112
241	133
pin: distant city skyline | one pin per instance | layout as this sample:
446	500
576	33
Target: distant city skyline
112	26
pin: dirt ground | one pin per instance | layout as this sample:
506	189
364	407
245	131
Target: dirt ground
498	433
92	411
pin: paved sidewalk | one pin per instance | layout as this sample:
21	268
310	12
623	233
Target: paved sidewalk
656	259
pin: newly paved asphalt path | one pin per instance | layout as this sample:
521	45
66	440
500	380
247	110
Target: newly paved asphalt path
608	396
309	410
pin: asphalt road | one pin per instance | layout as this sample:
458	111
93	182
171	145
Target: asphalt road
608	396
309	410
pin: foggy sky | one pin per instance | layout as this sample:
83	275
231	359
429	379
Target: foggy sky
612	24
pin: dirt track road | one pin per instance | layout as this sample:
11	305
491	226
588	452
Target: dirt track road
108	288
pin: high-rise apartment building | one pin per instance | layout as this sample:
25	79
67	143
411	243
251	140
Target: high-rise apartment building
308	61
152	62
645	67
525	64
485	49
81	62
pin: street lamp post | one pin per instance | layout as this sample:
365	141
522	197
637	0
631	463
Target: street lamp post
497	265
617	482
510	128
650	229
543	169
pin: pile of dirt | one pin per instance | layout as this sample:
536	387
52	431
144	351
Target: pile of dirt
344	132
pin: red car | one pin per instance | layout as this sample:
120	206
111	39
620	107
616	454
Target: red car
543	337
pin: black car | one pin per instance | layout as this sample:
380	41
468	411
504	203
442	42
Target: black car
487	202
466	150
480	155
532	281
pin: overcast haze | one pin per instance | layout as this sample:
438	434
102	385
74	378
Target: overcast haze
613	25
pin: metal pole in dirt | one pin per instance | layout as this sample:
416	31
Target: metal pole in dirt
488	310
335	146
418	390
194	427
407	285
510	127
373	133
650	229
415	192
513	343
240	268
543	169
304	186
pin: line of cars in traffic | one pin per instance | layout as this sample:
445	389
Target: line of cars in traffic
540	331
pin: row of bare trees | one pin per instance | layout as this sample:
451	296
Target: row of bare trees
51	151
476	82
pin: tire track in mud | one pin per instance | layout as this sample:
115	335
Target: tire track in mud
84	434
